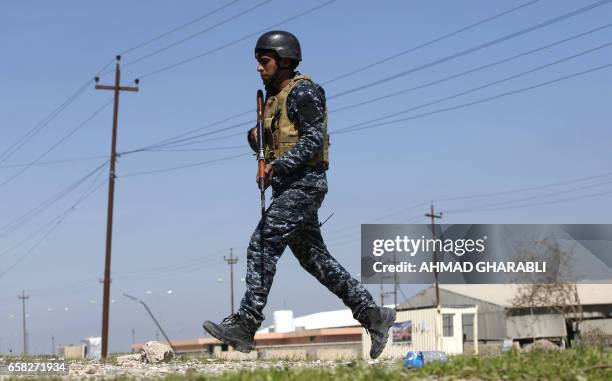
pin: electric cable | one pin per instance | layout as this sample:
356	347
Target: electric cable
184	166
479	101
29	215
194	35
475	48
428	43
481	87
12	149
176	29
56	144
192	58
463	73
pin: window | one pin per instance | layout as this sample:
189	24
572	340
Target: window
447	325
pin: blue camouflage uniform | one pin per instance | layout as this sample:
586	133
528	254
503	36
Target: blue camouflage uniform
292	217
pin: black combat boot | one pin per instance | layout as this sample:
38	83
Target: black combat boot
377	322
233	331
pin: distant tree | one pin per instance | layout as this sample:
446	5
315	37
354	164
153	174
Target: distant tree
555	290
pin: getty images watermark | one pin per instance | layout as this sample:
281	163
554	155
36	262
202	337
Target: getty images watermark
486	253
458	247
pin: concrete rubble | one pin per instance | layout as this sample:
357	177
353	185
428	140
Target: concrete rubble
154	352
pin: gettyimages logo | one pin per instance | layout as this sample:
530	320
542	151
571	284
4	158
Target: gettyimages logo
482	253
410	246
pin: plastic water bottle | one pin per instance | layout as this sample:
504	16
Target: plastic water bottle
418	359
434	356
414	360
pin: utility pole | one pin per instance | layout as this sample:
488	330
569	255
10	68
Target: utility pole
384	293
116	88
133	339
52	345
231	261
437	329
435	253
23	298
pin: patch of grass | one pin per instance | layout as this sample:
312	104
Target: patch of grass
568	365
574	365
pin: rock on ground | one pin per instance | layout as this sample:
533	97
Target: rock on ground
154	352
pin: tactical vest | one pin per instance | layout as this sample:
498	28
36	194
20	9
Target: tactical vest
281	133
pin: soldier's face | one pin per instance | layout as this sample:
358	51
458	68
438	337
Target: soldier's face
267	68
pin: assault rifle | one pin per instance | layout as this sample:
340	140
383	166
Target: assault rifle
261	161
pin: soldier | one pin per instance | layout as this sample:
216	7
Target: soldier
296	143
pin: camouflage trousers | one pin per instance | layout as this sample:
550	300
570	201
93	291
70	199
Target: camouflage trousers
292	219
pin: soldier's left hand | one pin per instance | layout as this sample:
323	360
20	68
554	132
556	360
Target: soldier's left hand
268	174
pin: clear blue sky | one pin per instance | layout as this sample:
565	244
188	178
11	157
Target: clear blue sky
551	134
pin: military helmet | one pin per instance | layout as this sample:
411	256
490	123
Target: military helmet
284	44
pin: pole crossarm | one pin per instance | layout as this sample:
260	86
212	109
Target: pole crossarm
121	88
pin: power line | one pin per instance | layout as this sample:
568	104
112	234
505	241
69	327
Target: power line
162	35
480	195
428	43
184	166
481	87
56	224
29	215
207	140
342	76
540	203
475	48
86	194
378	218
42	124
495	204
56	144
482	100
192	58
56	112
227	148
527	189
175	140
176	137
458	75
199	33
59	161
168	274
177	265
189	264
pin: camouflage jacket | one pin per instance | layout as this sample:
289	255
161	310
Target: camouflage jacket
306	108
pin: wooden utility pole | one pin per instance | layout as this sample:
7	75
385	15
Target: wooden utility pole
231	261
435	253
116	88
23	298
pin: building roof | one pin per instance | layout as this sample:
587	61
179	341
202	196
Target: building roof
270	338
327	319
502	294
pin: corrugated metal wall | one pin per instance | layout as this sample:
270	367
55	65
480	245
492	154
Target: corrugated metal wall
538	325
